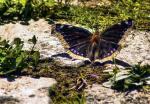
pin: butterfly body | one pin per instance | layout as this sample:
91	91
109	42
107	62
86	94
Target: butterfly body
93	49
95	46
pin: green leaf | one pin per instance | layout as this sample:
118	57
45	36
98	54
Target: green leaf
19	60
137	84
17	41
33	40
108	84
122	77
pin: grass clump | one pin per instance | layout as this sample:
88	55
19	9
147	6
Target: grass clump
13	59
136	77
66	96
25	9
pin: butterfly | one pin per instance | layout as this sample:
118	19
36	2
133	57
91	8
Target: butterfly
97	46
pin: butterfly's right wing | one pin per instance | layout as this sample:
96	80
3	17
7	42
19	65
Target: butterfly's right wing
78	39
116	33
112	39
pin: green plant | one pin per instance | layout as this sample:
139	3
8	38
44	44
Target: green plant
104	16
130	78
65	96
24	9
14	59
136	9
33	55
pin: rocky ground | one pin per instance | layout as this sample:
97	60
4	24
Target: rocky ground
25	90
98	94
137	49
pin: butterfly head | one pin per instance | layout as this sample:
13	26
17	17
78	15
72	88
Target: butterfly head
96	30
95	37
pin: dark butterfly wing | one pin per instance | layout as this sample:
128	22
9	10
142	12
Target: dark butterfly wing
116	32
77	38
111	38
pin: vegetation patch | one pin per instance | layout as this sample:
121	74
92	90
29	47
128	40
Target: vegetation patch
135	77
71	81
103	16
13	59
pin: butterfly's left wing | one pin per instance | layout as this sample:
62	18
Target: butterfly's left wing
78	39
111	39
